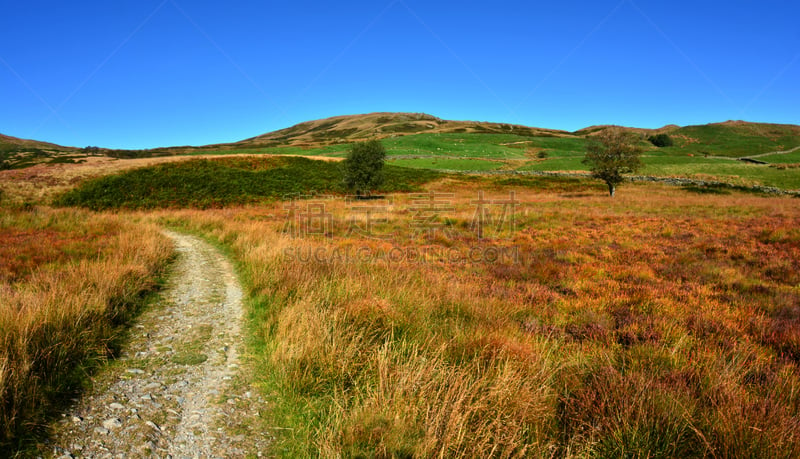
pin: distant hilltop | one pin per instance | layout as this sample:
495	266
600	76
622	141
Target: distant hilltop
378	125
352	128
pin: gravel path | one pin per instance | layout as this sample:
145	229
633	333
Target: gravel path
176	391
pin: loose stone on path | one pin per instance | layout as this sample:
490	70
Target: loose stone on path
173	390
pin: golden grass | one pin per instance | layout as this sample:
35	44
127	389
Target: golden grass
659	323
66	286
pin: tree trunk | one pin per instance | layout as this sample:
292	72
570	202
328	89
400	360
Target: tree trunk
611	189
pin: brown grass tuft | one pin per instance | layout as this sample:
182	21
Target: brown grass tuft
68	281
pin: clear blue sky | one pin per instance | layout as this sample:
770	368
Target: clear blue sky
149	73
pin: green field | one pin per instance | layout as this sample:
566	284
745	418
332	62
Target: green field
467	164
788	158
713	160
494	146
467	145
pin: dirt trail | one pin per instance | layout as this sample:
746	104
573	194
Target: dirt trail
176	390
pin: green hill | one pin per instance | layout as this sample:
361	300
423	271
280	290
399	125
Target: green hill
221	182
736	139
423	141
17	153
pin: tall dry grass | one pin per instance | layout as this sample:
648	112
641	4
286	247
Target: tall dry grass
657	324
68	280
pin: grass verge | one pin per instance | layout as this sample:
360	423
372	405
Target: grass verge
68	283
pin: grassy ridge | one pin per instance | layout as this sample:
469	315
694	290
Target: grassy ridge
68	281
658	324
223	182
704	152
736	140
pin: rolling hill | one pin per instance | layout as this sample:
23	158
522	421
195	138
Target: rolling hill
734	139
731	138
8	143
18	153
424	141
350	128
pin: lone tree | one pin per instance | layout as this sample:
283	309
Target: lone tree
363	168
612	153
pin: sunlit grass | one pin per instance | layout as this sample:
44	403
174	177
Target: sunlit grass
658	323
68	281
449	164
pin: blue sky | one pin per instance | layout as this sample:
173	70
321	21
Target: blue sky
149	73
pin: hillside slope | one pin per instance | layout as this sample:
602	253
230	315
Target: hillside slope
350	128
17	153
733	139
8	143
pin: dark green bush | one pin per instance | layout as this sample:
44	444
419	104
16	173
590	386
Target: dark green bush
363	168
204	183
661	140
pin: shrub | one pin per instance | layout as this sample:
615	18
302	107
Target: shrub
363	168
661	140
204	183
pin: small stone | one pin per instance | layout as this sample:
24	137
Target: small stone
248	394
77	419
116	406
135	371
113	423
153	425
101	430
